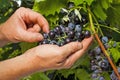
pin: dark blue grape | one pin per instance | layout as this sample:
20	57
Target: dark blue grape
52	34
78	35
113	76
94	76
71	26
77	20
98	71
45	41
53	42
58	30
45	35
62	28
98	58
68	40
104	64
97	50
87	34
94	67
84	19
71	34
71	5
93	62
101	78
114	44
106	45
67	29
104	39
78	28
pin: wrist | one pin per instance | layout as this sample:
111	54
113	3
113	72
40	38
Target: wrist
3	40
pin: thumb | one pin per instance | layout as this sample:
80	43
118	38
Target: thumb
70	48
28	36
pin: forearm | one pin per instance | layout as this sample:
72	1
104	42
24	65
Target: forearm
18	67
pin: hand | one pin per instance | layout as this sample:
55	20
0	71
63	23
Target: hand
42	58
23	25
55	57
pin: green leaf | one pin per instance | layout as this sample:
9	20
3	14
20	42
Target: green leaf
114	15
99	12
48	7
66	72
77	2
82	74
115	52
36	76
25	46
105	4
89	1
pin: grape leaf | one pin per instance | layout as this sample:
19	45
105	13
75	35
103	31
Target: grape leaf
105	4
82	74
77	2
115	52
89	1
48	7
98	11
36	76
66	72
114	15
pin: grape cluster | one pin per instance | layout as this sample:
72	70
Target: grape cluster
99	63
67	31
113	76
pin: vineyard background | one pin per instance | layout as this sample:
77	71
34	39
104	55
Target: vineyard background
106	18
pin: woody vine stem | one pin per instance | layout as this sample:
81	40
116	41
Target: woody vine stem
101	45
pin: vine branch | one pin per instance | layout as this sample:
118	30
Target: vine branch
102	46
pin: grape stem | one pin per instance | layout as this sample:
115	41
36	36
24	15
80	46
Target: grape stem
109	28
101	45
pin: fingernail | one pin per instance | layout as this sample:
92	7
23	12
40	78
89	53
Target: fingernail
40	37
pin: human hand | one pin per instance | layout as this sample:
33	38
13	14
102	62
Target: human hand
24	25
42	58
54	57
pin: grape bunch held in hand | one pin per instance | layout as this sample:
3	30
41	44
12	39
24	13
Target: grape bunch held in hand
67	31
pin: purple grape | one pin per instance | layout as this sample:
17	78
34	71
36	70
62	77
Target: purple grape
104	39
45	35
94	67
45	41
78	28
71	34
87	34
101	78
71	26
77	20
71	5
68	40
94	76
52	34
97	50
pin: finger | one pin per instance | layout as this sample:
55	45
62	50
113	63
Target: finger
28	36
30	16
70	48
73	58
35	28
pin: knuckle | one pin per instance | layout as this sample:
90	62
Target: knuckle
20	9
